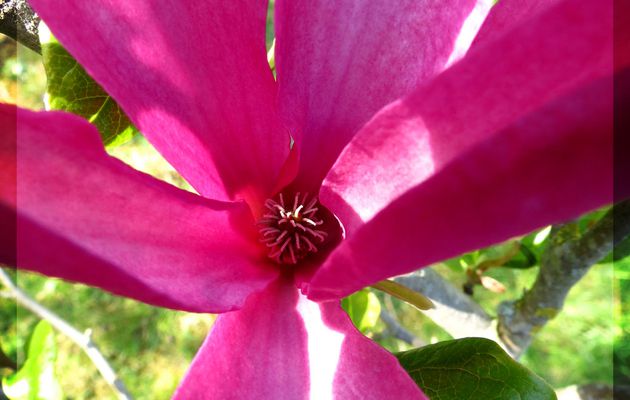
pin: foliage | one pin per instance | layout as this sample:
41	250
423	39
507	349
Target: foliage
364	308
149	347
36	380
71	89
20	66
622	319
473	369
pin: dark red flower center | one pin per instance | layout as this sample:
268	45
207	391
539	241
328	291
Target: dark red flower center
291	230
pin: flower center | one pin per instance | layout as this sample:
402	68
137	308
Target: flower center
290	231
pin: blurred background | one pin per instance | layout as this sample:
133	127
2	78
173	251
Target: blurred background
150	348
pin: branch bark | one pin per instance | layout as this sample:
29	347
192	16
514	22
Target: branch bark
83	340
19	22
566	260
458	314
395	329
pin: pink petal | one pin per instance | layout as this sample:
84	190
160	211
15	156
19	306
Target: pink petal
507	14
621	34
257	352
622	129
552	165
84	216
8	222
192	76
364	369
339	63
282	346
8	187
494	85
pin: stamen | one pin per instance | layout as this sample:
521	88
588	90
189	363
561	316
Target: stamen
290	233
293	257
295	202
309	221
311	246
318	234
282	235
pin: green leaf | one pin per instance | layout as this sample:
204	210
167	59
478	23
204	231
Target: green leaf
71	89
621	250
472	369
364	309
523	260
36	379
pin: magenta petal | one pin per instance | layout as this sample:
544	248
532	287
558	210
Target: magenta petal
340	62
193	77
282	346
363	365
85	216
550	166
509	13
8	187
495	84
257	352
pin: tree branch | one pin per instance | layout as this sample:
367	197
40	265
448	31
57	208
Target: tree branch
83	340
395	329
19	22
566	260
458	314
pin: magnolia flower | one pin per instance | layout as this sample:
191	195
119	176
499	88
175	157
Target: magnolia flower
421	129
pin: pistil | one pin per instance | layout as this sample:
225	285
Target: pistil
291	231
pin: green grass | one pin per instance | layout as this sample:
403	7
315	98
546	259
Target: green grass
149	347
576	346
622	322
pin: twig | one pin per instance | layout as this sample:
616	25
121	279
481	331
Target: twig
475	275
565	261
497	262
19	22
83	340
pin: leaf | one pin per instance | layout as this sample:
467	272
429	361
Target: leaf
36	379
364	309
621	250
71	89
472	369
523	260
